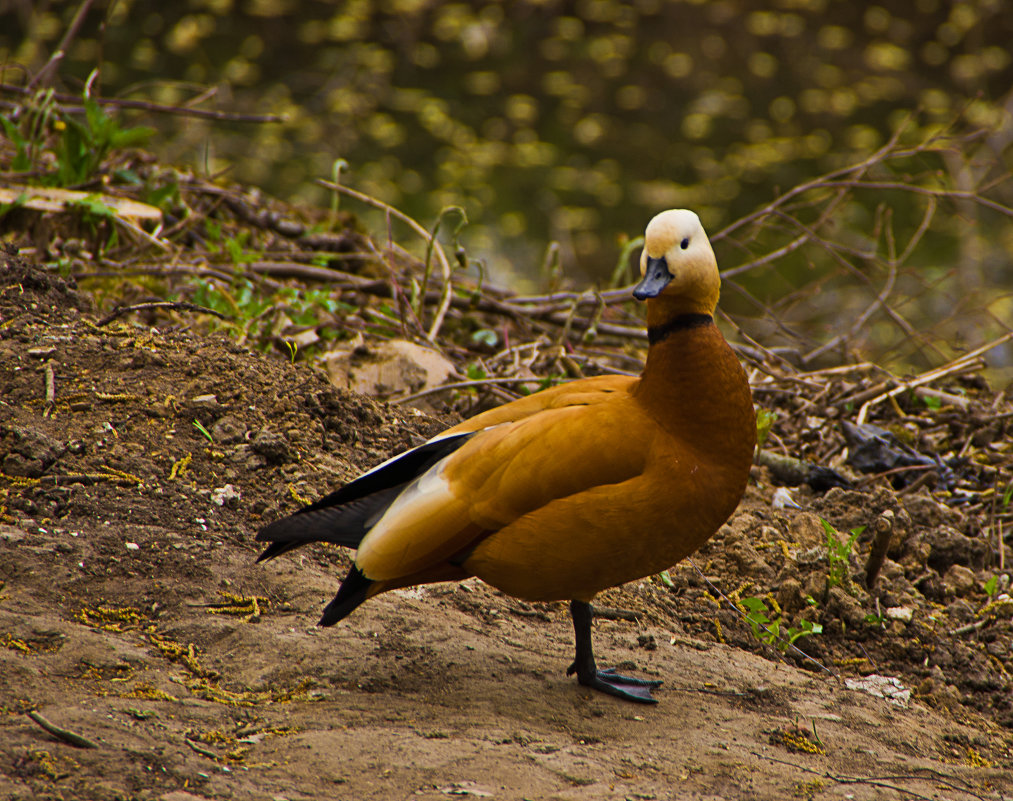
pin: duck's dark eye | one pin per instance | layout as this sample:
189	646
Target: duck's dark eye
685	243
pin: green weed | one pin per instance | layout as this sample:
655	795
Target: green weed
236	248
56	148
84	145
207	434
764	422
253	313
99	218
624	272
839	554
768	627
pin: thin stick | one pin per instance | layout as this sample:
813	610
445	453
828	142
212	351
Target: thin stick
879	781
50	384
42	76
461	384
958	194
441	257
181	305
144	105
817	183
932	375
60	733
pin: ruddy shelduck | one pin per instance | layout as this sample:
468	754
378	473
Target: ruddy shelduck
563	493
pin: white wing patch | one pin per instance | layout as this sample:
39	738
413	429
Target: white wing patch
419	529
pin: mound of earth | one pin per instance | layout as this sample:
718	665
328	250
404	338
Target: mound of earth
137	465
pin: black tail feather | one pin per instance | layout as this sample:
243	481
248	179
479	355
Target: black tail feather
277	549
352	592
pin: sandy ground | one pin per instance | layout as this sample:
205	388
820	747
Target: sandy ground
132	614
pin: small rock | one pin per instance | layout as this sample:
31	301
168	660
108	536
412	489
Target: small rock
931	586
388	368
14	464
226	496
902	613
843	606
782	499
806	529
272	447
11	535
959	580
205	400
31	451
890	572
949	547
790	597
228	430
960	611
748	560
887	687
769	534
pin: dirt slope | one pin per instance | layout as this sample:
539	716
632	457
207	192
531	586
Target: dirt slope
132	613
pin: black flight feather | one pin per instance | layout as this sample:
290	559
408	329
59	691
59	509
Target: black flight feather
346	515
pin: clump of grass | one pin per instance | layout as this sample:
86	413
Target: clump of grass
55	147
839	554
769	627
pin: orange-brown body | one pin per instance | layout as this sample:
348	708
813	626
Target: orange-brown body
599	482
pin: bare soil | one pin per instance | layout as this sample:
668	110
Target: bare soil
132	613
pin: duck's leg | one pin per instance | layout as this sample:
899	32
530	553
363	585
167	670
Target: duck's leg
607	681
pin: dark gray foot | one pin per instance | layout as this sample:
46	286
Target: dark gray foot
607	681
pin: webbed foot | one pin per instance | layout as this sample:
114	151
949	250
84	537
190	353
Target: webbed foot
608	681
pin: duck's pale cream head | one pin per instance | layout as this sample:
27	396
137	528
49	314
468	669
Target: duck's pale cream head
678	264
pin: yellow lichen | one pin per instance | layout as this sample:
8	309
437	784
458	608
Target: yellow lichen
108	618
852	661
212	691
797	740
299	499
246	606
186	655
149	693
55	768
112	472
179	467
15	644
976	760
808	789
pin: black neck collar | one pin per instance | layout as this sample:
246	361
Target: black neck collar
681	322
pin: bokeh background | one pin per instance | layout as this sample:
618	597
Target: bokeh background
575	121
